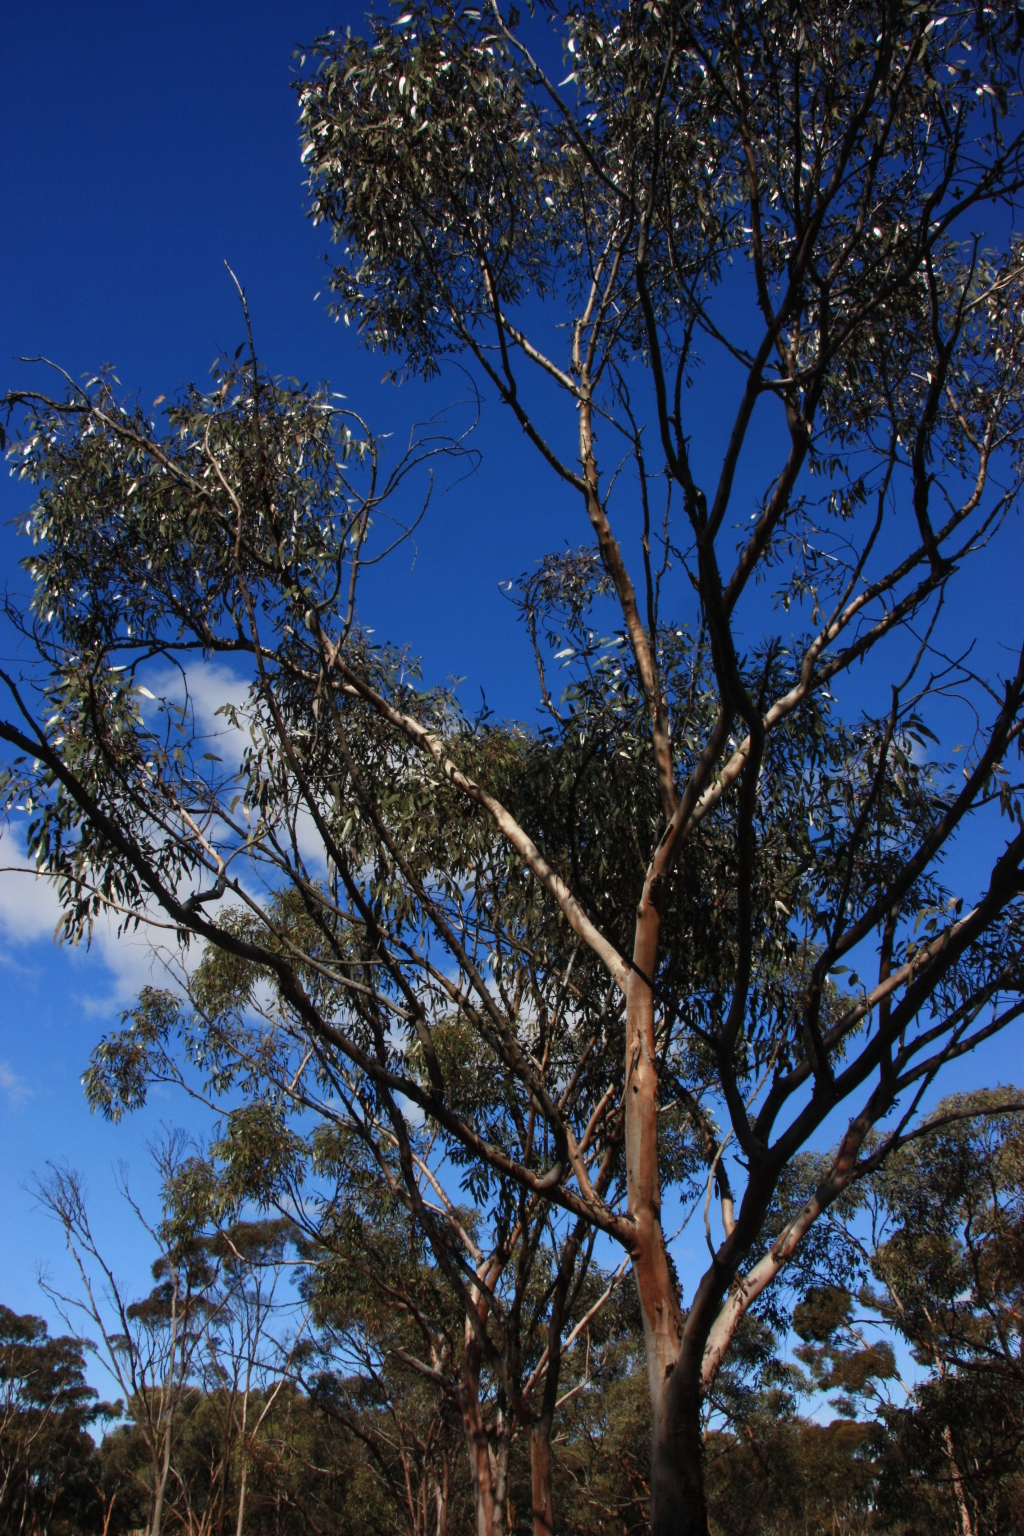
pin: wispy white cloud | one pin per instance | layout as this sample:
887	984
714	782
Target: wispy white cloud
310	843
15	1087
210	686
29	909
30	913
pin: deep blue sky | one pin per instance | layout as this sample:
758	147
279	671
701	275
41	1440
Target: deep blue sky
143	145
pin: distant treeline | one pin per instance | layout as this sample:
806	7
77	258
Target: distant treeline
274	1385
309	1472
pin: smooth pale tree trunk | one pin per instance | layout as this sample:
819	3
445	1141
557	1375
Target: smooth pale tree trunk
678	1388
225	1466
676	1367
486	1465
415	1497
441	1499
108	1511
677	1496
108	1517
169	1401
243	1481
963	1512
540	1478
156	1523
243	1469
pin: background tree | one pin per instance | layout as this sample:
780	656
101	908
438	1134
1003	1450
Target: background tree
252	1339
494	924
305	1478
46	1412
216	1436
382	1314
390	1251
153	1347
941	1262
924	1255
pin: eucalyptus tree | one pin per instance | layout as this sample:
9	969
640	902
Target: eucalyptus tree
200	1361
446	1312
380	959
252	1343
150	1346
636	919
941	1247
374	1301
47	1458
822	197
375	955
